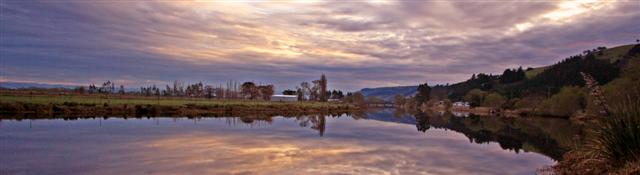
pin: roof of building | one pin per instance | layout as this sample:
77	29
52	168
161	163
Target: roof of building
286	96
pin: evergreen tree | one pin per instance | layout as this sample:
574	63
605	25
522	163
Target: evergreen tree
323	88
423	94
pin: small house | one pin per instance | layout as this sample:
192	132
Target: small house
284	98
461	104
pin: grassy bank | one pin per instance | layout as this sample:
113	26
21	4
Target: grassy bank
613	147
99	105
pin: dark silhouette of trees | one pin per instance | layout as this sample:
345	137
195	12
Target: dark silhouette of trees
336	94
512	76
323	88
248	90
422	121
150	91
601	50
423	94
567	73
477	81
195	90
314	91
289	92
93	89
107	87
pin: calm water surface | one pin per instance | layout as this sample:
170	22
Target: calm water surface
381	142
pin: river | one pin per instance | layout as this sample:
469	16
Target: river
376	142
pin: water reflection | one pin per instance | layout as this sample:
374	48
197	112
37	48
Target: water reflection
378	142
549	136
317	122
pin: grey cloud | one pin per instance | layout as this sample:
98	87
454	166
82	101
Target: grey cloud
438	42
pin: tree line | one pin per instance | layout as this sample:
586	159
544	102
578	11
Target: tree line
315	90
231	90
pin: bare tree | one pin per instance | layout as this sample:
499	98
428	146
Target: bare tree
305	90
313	91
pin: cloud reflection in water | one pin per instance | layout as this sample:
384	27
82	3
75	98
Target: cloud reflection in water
212	146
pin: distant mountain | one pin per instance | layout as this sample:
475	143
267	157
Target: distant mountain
16	85
389	92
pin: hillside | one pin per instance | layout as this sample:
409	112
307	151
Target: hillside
605	64
611	54
387	93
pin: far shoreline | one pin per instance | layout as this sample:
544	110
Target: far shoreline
59	106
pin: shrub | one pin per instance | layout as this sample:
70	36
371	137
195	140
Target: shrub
494	100
619	136
475	97
613	149
565	103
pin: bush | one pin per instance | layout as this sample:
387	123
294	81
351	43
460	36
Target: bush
619	136
568	101
614	147
475	97
494	100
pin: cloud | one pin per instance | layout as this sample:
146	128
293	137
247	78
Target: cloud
358	44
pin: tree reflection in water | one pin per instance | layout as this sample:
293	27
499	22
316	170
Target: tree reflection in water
551	137
317	122
548	136
422	121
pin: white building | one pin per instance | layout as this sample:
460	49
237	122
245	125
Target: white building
284	98
461	104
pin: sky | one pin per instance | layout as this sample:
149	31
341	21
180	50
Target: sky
357	44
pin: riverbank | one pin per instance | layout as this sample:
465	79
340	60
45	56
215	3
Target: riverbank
488	111
47	106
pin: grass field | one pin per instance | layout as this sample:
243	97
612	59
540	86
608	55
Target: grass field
616	53
535	71
137	100
50	106
611	54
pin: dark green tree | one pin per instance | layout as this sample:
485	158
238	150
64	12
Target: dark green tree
423	94
289	92
323	88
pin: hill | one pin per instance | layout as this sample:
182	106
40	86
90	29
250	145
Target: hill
605	64
387	93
